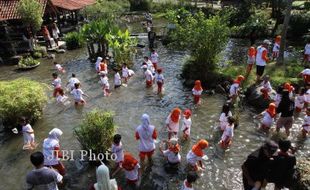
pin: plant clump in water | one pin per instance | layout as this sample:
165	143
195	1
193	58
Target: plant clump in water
96	131
21	97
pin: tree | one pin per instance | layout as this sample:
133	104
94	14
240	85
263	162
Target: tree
286	22
31	13
205	38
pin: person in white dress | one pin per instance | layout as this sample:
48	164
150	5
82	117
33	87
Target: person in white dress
28	134
187	123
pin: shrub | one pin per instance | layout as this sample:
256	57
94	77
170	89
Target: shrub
74	40
299	23
31	12
37	54
21	97
96	131
26	62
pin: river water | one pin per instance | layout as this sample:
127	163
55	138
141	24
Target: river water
223	170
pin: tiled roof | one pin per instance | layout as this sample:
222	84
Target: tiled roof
72	4
8	9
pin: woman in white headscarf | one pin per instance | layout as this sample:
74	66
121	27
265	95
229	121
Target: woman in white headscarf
99	59
146	134
103	179
51	151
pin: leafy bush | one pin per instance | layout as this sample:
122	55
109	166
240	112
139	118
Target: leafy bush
122	45
105	9
299	23
37	54
96	131
31	12
205	38
21	97
74	40
26	62
257	22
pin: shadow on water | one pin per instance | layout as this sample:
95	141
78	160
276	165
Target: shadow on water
223	169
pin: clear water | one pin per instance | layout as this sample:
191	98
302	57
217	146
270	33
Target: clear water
223	169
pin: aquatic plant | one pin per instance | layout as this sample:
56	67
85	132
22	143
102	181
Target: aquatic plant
96	131
74	40
123	45
21	97
31	12
205	38
26	62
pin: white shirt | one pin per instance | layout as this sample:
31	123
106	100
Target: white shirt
306	124
276	47
159	78
277	99
105	82
77	94
146	144
72	81
148	75
125	73
259	56
154	57
50	157
233	89
196	92
187	123
58	67
224	120
150	66
118	150
307	49
133	174
172	157
228	133
266	85
28	138
117	79
184	187
57	83
300	101
173	127
267	119
61	99
192	158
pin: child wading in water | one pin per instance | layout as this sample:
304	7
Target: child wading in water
72	81
188	182
105	84
224	116
267	117
28	134
125	72
78	94
61	98
194	156
187	123
172	155
132	170
266	87
117	79
117	149
197	91
300	100
148	77
59	67
228	134
159	79
173	122
56	83
306	125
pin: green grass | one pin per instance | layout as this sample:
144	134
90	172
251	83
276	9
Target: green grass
278	74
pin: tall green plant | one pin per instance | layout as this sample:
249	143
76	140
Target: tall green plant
96	131
205	38
122	45
31	12
95	33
